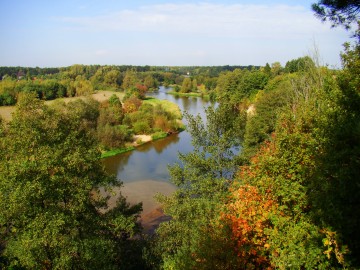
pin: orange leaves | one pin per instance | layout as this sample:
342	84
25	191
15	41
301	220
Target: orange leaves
248	217
131	105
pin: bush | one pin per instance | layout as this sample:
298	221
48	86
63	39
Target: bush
141	127
113	136
159	135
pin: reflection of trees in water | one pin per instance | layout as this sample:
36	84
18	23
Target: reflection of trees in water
150	159
116	163
186	103
161	145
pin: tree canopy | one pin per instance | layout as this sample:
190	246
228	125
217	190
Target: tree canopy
338	12
52	214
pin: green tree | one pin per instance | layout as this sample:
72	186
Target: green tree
336	190
186	86
130	79
76	70
150	82
300	64
276	69
113	78
191	239
339	12
261	121
267	69
52	215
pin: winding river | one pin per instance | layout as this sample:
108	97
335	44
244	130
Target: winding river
144	171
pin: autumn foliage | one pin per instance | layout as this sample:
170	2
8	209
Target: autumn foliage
249	216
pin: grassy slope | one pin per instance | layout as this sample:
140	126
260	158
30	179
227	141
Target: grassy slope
167	105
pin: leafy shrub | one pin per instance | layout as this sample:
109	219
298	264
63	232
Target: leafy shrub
141	127
113	136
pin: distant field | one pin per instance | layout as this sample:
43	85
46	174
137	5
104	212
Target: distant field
6	111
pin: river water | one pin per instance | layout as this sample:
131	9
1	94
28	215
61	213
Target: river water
144	171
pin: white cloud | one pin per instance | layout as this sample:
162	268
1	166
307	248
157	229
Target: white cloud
207	20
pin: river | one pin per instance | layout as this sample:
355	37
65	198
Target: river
144	171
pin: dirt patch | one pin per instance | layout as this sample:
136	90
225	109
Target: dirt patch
6	112
105	95
140	139
152	220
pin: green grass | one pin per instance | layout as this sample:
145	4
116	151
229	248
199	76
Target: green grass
117	151
191	94
167	105
159	135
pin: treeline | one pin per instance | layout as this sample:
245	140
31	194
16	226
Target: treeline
27	72
79	80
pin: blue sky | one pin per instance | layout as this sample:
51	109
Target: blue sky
56	33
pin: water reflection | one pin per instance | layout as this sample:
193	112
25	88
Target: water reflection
144	171
150	160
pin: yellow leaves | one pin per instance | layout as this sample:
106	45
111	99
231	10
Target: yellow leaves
334	246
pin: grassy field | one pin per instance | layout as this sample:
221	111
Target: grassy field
101	95
167	105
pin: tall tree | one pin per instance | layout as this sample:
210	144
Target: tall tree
52	215
191	239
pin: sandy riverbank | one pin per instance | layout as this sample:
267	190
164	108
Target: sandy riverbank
144	191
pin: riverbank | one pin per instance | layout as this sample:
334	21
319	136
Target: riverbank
191	94
137	141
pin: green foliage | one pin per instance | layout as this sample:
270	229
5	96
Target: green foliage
141	127
150	82
130	80
190	239
261	121
113	136
117	151
339	12
338	183
159	135
113	78
308	168
300	64
154	115
186	86
234	87
50	205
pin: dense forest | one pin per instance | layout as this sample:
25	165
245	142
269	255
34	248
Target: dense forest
272	183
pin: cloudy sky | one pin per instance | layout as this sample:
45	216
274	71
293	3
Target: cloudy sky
54	33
